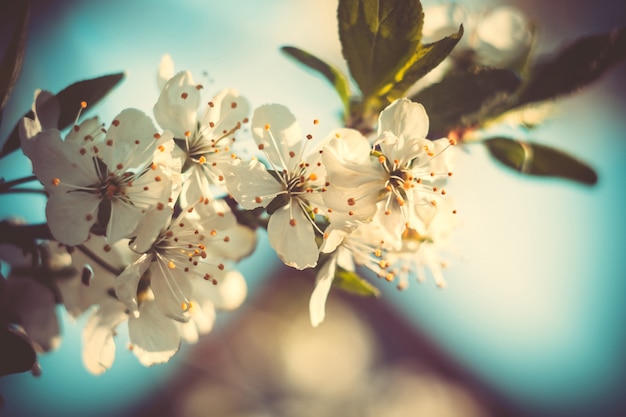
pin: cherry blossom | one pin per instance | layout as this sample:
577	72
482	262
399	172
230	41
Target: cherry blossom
205	138
289	188
101	180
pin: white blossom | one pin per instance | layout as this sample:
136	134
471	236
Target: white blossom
289	189
101	179
400	170
205	138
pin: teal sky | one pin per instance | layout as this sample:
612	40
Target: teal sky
534	302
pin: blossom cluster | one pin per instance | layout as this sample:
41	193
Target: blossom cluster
161	207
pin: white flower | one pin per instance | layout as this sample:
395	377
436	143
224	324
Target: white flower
401	170
498	37
229	294
350	245
101	179
175	253
96	264
290	190
422	247
153	337
205	139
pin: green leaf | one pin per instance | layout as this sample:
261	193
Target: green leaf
425	59
534	159
336	78
378	38
11	65
351	282
461	96
574	67
69	99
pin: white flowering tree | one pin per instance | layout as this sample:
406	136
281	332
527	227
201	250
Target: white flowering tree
148	214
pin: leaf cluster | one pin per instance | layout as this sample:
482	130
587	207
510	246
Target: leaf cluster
382	46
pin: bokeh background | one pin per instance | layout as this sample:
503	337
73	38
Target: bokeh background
532	322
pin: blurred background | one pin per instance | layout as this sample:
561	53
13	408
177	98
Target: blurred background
532	322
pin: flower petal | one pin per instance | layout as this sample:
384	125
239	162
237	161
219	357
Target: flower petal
98	345
166	71
177	106
323	282
240	243
149	228
154	337
229	292
405	119
292	236
277	132
251	184
127	282
70	216
172	289
130	142
227	112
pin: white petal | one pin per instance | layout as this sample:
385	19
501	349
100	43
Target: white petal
249	181
505	29
28	131
405	119
126	283
240	243
345	258
229	292
130	142
98	344
202	318
166	71
228	111
275	120
123	221
441	20
149	228
349	145
177	106
323	282
47	109
154	337
392	224
153	187
87	133
352	171
293	238
78	297
54	159
171	288
71	215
